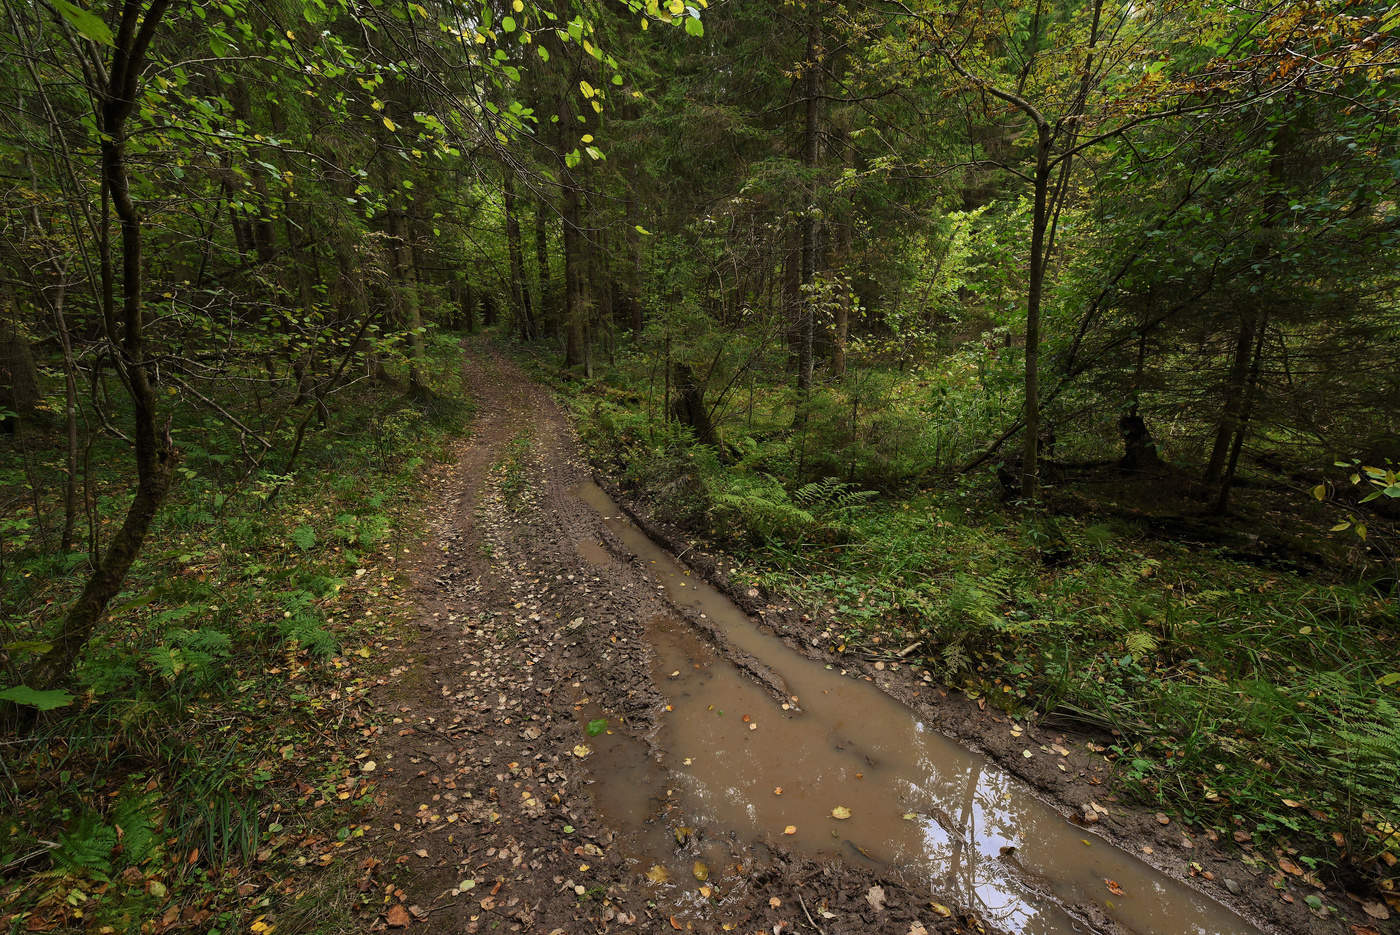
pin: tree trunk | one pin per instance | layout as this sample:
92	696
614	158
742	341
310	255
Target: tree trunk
809	258
406	292
689	406
155	455
544	307
1030	444
70	417
633	294
519	291
1235	381
574	310
468	308
19	377
1241	427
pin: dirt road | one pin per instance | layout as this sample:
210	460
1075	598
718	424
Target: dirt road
491	821
519	782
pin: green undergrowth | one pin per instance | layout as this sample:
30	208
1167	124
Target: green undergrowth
1253	704
213	743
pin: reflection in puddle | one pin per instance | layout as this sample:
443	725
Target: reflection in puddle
921	807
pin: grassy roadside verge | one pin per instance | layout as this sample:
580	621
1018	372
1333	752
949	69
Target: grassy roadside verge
216	745
1257	706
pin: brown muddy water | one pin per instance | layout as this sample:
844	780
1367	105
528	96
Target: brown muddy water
739	760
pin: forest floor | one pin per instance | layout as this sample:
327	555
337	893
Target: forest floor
495	772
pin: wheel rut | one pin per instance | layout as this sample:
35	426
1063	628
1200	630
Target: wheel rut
584	737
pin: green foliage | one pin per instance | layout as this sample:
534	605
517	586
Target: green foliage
1229	684
42	700
226	658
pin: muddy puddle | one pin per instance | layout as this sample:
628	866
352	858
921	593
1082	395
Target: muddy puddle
744	764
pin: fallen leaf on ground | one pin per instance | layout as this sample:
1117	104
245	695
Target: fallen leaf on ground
790	829
917	928
941	909
701	871
1113	887
658	874
774	902
582	750
398	917
1376	910
841	812
876	897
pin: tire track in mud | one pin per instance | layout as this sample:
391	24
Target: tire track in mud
532	622
486	818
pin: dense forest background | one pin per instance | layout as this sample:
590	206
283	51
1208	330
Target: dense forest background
1060	339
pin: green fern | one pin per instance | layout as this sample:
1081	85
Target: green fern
132	818
1139	644
86	847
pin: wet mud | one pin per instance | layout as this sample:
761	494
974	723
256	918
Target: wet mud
838	769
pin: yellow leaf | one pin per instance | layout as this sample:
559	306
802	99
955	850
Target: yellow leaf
841	813
658	874
390	124
790	829
582	750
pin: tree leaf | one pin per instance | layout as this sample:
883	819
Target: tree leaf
45	700
84	21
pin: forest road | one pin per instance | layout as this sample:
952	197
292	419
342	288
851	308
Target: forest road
519	785
488	820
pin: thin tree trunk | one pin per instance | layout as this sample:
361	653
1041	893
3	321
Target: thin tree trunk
1241	428
1030	444
469	307
70	418
155	455
519	291
544	307
809	258
411	315
1230	413
573	279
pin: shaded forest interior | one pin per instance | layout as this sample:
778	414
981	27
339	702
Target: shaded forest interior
1058	341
